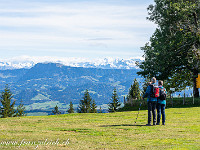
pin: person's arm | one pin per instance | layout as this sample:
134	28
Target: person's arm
147	92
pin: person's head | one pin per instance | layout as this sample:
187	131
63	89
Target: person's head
160	82
153	80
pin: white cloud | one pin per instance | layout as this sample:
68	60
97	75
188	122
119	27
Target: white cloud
73	25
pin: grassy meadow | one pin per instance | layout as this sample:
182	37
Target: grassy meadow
102	131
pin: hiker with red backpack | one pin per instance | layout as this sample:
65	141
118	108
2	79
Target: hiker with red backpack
152	93
161	103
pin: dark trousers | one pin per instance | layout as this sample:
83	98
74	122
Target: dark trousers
151	110
161	110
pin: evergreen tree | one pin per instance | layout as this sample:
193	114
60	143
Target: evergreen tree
173	50
20	110
114	104
7	109
134	91
125	100
93	107
71	108
85	104
100	110
56	111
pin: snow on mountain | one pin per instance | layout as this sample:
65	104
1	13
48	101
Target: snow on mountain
104	63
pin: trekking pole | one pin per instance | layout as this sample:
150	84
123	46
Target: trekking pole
138	113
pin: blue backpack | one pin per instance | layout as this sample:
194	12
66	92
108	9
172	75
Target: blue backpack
163	94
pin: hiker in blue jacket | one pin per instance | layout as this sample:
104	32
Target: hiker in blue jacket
161	104
151	102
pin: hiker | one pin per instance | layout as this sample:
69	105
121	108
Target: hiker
151	101
161	103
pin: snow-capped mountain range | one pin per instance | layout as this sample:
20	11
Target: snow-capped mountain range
104	63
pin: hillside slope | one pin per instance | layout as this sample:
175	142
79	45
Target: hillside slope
46	82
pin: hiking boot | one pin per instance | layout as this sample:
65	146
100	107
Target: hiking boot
148	124
157	123
154	123
163	123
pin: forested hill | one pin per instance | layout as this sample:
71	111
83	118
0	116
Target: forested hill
47	82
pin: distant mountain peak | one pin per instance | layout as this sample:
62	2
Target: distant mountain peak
104	63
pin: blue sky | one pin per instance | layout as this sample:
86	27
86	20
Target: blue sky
74	28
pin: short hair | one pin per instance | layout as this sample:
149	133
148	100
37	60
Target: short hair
160	82
153	80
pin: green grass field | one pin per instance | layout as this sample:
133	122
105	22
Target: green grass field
102	131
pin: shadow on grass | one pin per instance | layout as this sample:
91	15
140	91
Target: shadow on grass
120	125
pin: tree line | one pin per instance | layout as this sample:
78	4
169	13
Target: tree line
88	105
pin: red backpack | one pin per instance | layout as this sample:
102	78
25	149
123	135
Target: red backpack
155	92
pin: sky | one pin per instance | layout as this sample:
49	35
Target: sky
74	28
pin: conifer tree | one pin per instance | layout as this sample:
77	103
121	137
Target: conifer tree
93	107
114	104
85	104
71	108
56	111
20	110
125	100
7	109
100	110
134	91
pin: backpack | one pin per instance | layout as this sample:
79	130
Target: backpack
154	91
163	94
